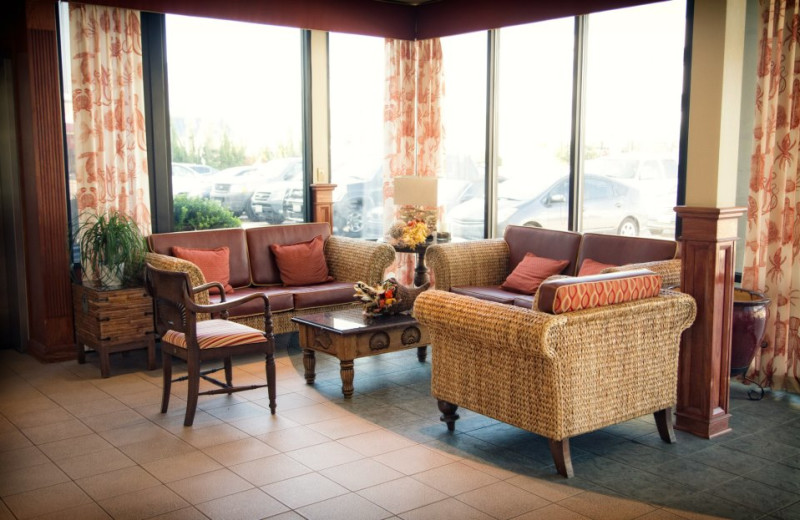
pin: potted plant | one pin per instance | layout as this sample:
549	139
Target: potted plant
112	250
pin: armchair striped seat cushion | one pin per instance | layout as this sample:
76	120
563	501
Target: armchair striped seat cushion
217	333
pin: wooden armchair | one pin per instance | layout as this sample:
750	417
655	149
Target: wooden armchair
196	341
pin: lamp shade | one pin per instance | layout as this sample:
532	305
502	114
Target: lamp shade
415	191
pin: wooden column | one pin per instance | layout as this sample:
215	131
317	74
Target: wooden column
322	200
43	183
707	273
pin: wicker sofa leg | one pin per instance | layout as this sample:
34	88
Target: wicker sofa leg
561	456
449	414
664	425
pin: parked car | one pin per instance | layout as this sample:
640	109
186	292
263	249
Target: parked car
609	206
202	169
186	181
267	202
233	187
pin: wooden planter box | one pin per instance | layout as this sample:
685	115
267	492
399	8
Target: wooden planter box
113	321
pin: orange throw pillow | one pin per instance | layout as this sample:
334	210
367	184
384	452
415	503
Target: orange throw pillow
531	272
214	263
589	266
302	263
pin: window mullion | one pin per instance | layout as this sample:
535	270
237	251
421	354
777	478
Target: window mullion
577	140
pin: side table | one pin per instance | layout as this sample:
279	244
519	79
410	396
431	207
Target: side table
421	275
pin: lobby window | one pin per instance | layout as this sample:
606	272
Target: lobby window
235	105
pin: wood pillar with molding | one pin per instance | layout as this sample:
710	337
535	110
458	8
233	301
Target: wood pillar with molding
707	273
322	200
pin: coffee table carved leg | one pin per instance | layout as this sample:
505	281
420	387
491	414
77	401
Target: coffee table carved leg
422	354
310	364
346	370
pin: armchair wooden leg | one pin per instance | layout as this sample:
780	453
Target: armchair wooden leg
561	456
228	372
271	382
166	362
193	367
449	414
664	425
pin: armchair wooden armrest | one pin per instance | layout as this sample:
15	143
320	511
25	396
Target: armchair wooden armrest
479	262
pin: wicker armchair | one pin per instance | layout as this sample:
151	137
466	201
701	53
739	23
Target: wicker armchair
556	375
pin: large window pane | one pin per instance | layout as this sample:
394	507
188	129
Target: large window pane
356	65
235	101
534	124
462	183
633	110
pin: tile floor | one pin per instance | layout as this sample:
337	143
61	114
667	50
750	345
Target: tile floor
73	445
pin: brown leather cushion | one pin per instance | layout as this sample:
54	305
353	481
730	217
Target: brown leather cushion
490	293
531	272
331	293
232	238
548	243
214	263
265	270
279	300
303	263
619	250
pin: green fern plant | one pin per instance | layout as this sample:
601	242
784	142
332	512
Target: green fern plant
112	250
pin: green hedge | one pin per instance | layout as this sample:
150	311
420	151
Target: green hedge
192	213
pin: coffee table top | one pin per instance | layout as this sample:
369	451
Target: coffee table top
353	321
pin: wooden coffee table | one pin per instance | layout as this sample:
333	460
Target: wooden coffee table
348	335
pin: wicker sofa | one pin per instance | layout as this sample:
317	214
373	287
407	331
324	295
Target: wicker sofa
478	268
557	375
253	268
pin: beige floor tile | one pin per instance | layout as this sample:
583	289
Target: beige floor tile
252	503
553	512
149	451
211	436
5	512
660	514
46	500
376	442
691	515
117	482
186	513
602	507
264	471
259	425
82	395
89	464
544	488
13	440
208	486
361	474
303	490
99	407
84	512
450	509
454	479
325	455
56	431
182	466
291	439
343	427
288	401
29	478
502	500
147	431
37	418
413	459
401	495
236	452
238	411
150	397
74	447
344	507
314	413
173	421
144	503
103	422
21	458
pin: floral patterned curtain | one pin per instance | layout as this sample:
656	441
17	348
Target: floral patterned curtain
412	122
771	259
108	105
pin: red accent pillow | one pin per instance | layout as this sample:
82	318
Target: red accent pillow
214	263
589	266
302	263
531	272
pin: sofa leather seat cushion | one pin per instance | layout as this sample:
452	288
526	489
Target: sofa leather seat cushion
214	263
587	292
331	293
302	263
490	293
589	267
524	301
280	299
529	274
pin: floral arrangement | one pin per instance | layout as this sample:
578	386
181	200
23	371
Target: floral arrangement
409	234
387	298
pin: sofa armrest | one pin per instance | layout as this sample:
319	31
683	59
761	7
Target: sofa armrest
670	270
354	260
478	262
171	263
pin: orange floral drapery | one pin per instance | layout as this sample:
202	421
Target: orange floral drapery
413	126
108	109
772	249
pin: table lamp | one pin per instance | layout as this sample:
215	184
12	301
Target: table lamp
419	195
